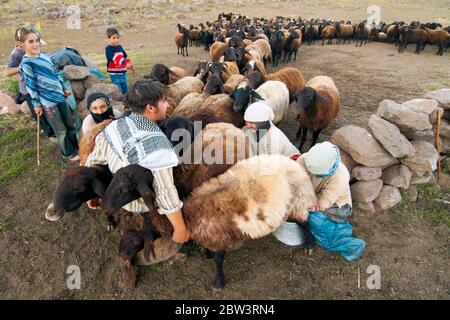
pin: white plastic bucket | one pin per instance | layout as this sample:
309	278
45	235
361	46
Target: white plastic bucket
290	233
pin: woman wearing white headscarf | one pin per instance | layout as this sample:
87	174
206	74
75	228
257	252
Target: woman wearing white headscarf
265	137
328	220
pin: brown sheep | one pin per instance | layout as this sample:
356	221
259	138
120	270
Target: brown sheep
232	142
260	49
214	85
181	40
438	37
232	82
317	104
176	74
240	204
344	32
183	87
408	35
217	50
230	70
291	45
87	142
253	65
190	104
291	77
329	33
217	108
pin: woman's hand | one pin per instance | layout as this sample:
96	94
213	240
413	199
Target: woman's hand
316	207
38	110
181	235
67	92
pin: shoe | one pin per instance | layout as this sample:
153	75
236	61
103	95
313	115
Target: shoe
53	139
74	158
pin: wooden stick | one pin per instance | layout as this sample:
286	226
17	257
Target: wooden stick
438	129
37	138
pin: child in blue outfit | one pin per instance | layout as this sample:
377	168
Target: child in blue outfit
48	93
117	61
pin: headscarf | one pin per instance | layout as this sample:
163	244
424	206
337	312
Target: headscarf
108	114
322	159
260	114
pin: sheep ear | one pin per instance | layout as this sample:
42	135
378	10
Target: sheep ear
321	98
146	193
255	95
98	187
224	66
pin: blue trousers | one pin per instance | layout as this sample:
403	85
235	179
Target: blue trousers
120	80
62	119
335	236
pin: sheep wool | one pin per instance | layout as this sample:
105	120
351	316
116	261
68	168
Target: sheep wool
249	201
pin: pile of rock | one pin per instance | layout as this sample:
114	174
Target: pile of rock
399	150
84	83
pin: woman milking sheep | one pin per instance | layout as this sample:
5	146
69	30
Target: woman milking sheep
100	110
328	219
265	137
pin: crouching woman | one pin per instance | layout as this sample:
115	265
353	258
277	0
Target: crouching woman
328	220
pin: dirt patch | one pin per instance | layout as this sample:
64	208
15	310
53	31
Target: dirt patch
411	251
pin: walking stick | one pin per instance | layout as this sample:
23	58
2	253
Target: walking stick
37	138
438	129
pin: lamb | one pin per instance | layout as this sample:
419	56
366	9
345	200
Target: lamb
317	106
217	50
274	93
181	40
244	203
223	69
260	49
291	77
183	87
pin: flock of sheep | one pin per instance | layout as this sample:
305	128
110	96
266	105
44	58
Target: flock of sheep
287	34
221	206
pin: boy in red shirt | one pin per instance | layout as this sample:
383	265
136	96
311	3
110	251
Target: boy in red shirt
118	61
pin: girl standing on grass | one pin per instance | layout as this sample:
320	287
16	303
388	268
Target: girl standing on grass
12	68
48	93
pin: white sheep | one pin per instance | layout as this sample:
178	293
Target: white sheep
274	93
183	87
